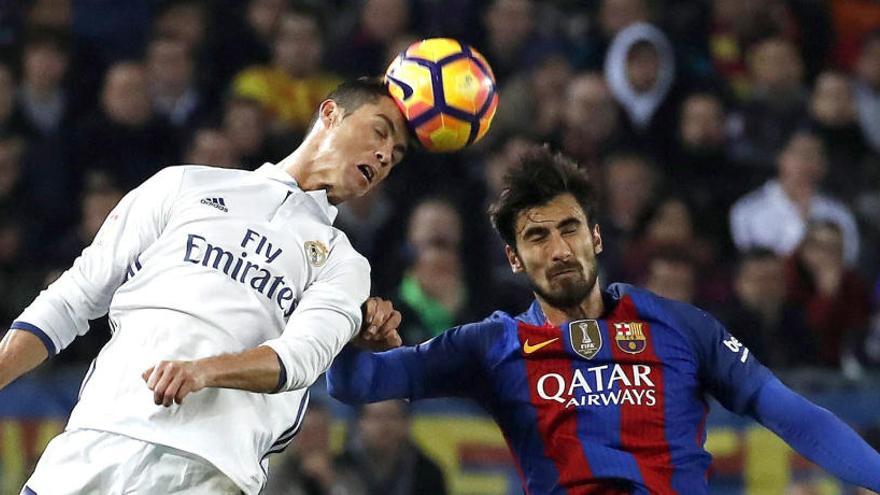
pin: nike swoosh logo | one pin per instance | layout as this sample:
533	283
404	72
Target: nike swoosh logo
528	349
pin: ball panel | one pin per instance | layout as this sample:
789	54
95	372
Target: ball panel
434	49
444	133
464	85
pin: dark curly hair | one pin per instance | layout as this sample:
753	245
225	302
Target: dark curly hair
540	176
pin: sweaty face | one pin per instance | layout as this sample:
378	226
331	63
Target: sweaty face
360	148
557	250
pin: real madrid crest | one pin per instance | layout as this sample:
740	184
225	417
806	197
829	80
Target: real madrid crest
585	337
316	252
630	337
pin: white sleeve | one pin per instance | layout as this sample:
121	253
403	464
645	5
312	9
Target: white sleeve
62	311
327	317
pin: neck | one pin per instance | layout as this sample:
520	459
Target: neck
301	164
40	92
799	192
591	307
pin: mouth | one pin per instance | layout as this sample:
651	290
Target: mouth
367	171
564	271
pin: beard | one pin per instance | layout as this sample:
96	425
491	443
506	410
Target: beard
567	292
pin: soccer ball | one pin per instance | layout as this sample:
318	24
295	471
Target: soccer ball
446	91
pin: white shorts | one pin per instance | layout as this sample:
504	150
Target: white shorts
85	462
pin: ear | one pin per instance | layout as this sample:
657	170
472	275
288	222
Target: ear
597	239
329	112
515	264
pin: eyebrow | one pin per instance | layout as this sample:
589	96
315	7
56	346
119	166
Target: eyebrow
399	147
568	222
540	229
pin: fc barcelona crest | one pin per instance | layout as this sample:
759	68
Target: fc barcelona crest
630	337
586	338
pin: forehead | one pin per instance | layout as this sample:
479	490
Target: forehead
558	209
384	107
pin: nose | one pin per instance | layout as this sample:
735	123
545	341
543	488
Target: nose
559	249
384	157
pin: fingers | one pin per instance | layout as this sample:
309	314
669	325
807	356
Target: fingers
383	310
369	309
170	382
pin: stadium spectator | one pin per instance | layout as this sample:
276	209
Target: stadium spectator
11	119
363	48
372	223
833	115
640	70
667	224
100	196
295	82
212	147
776	104
775	216
186	20
868	88
245	32
510	32
761	315
42	97
124	138
535	100
671	273
701	168
835	298
612	16
590	125
630	184
307	466
383	455
173	90
246	125
433	294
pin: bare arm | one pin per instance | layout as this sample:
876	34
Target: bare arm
254	370
20	352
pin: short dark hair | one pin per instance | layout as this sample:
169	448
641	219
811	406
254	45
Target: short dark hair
753	255
41	37
354	93
540	176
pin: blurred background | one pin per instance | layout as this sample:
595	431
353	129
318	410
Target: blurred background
736	145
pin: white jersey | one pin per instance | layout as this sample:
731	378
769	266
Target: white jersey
197	262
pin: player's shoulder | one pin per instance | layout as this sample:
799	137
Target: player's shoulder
204	172
686	319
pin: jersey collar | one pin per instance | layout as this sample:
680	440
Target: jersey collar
275	173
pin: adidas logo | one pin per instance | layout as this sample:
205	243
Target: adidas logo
216	203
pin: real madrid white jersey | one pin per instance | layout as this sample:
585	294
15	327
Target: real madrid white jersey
197	262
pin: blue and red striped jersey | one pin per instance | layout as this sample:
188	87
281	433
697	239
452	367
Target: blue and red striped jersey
606	406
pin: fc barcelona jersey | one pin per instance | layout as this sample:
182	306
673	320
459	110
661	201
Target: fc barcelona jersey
606	406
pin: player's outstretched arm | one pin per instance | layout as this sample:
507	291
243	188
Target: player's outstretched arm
817	434
20	352
447	365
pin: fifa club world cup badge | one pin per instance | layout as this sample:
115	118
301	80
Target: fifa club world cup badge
630	337
316	252
586	338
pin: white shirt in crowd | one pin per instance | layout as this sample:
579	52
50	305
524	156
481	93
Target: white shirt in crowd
197	262
768	218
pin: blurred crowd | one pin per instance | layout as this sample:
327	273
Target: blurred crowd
735	143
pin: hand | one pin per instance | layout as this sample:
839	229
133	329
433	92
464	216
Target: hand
171	381
379	329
